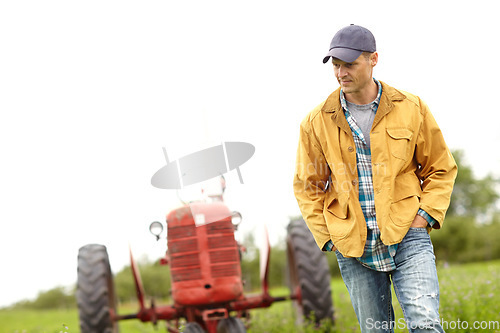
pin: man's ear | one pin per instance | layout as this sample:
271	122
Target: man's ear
374	59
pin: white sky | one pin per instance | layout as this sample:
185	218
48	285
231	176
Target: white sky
90	92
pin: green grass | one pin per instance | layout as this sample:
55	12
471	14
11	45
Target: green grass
38	321
280	317
60	321
469	293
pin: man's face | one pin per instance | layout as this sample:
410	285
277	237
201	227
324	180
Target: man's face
354	77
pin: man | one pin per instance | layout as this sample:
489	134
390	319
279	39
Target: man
373	177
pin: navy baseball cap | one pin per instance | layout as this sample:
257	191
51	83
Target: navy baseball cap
349	42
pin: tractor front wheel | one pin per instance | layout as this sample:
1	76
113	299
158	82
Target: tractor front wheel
193	328
95	293
231	325
309	274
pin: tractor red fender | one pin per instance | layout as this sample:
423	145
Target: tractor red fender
139	289
265	253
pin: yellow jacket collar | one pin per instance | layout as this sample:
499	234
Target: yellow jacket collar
332	105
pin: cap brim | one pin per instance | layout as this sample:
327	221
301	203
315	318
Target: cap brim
347	55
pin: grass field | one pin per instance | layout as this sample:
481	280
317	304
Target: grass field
469	297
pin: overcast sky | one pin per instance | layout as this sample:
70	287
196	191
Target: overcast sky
90	92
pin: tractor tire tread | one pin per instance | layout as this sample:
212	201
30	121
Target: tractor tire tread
93	290
231	325
313	272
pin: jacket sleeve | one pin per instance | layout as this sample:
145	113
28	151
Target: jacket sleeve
437	168
310	179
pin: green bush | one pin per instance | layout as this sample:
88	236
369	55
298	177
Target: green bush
56	298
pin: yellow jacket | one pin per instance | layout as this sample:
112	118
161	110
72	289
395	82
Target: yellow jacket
411	165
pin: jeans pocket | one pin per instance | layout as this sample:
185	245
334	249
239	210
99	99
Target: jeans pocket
418	229
417	238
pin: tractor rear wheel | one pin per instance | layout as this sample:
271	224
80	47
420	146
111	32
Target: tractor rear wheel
231	325
309	274
95	292
193	328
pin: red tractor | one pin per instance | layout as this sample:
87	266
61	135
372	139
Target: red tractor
206	279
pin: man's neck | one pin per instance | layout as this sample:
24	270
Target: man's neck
364	96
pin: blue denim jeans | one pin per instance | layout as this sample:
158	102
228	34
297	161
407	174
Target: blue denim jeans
415	283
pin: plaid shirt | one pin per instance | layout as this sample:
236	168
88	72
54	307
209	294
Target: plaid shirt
377	255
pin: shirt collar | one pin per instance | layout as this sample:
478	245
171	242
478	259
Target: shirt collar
376	102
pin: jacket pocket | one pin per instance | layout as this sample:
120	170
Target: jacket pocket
406	199
337	218
399	142
337	208
403	212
